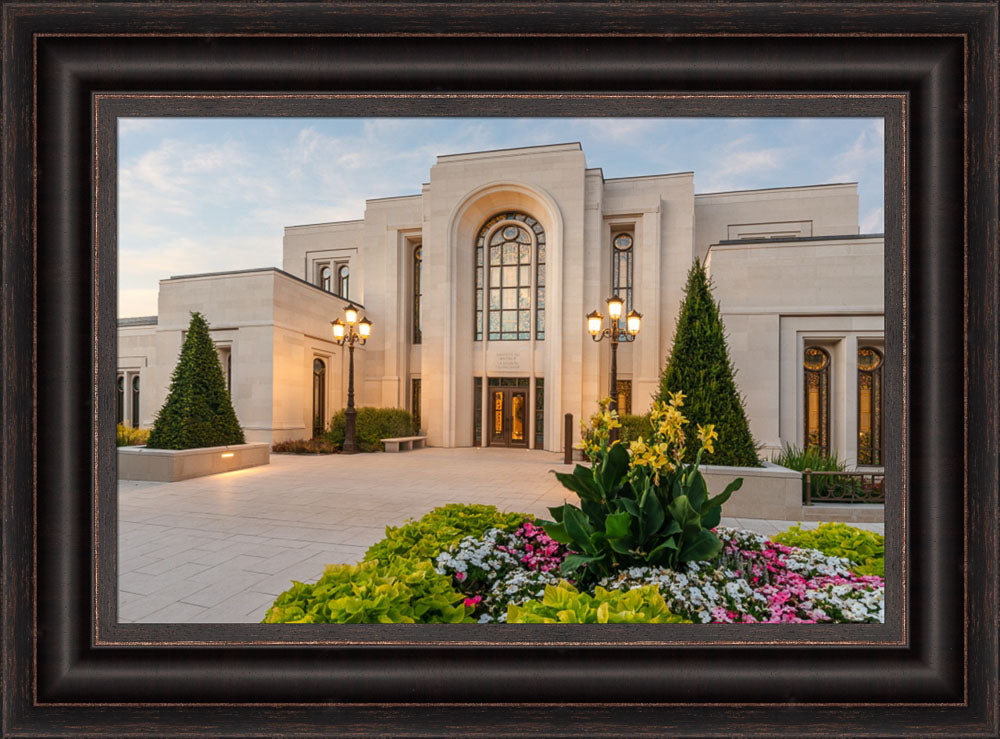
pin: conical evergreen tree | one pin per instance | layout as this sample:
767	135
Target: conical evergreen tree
699	366
198	411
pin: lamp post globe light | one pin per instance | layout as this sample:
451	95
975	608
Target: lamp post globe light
351	331
615	334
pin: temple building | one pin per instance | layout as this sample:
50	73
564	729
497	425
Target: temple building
478	287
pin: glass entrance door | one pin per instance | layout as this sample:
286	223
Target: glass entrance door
508	417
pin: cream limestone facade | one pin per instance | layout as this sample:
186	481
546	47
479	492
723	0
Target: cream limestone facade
500	361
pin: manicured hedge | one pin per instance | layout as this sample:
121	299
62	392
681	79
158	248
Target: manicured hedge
700	367
633	427
198	411
305	446
371	426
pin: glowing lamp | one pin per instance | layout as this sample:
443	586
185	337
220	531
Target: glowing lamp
351	315
594	323
338	329
615	306
365	328
633	320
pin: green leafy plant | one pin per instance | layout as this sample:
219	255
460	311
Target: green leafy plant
564	604
699	366
198	411
371	426
642	507
812	458
632	427
865	550
128	436
401	592
305	446
440	529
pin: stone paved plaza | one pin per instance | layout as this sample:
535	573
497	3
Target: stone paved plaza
220	548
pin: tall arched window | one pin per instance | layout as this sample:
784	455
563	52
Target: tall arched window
324	277
343	280
319	396
869	406
417	265
135	401
121	398
816	366
621	270
509	244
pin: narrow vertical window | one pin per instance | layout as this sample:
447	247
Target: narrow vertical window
621	271
816	366
869	406
135	401
325	277
477	411
343	281
415	403
539	413
121	398
510	250
624	397
319	397
417	265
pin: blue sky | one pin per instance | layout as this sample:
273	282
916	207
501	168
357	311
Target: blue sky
212	194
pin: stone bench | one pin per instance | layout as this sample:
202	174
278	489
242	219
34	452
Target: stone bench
403	443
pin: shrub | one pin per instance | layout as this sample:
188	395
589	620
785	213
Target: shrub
644	507
699	366
318	445
440	529
128	436
865	550
633	427
796	458
198	411
402	592
564	604
371	426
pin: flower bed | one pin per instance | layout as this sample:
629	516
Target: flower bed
644	546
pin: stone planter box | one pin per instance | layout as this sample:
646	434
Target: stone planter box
770	491
170	465
775	492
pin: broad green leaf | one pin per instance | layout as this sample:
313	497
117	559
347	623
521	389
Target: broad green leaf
616	526
724	495
697	493
577	526
704	545
558	532
684	514
574	561
651	515
614	469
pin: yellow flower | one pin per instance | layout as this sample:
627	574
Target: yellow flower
706	435
677	399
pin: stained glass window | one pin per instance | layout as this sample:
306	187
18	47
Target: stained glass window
343	281
477	405
504	265
539	413
121	398
869	406
135	401
417	265
816	366
624	397
319	397
621	269
415	403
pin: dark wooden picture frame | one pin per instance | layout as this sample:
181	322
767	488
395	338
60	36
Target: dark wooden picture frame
69	69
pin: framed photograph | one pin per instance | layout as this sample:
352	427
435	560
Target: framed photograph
77	75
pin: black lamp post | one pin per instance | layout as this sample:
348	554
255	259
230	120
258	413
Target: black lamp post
616	335
351	331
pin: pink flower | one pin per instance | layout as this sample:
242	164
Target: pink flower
460	576
471	602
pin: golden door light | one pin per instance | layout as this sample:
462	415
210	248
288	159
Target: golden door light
594	323
634	320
